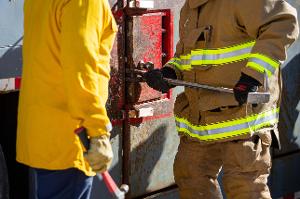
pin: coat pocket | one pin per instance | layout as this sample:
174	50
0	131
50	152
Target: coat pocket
185	108
195	43
195	38
181	106
226	114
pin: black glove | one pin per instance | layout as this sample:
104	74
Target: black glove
245	85
155	78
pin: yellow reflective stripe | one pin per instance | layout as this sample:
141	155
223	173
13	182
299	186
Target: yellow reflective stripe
216	56
180	66
188	56
186	62
220	136
220	61
175	64
229	123
228	128
262	63
226	49
259	68
266	59
221	56
199	57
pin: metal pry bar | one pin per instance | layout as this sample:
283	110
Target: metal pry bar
253	97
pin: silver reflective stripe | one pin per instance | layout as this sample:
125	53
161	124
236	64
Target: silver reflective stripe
222	55
228	129
185	62
263	64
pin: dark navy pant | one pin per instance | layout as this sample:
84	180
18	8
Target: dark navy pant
62	184
3	177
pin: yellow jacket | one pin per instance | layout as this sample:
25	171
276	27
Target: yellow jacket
66	70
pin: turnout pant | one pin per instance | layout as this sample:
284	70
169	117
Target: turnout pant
246	165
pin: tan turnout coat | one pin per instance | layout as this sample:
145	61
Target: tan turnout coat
223	24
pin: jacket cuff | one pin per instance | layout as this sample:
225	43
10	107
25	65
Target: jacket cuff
94	132
172	65
260	65
260	77
263	63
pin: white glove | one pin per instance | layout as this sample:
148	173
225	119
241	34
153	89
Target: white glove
100	154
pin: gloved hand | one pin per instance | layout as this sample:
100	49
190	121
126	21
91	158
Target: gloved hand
245	85
155	78
100	154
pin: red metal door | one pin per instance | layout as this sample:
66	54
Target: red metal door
150	139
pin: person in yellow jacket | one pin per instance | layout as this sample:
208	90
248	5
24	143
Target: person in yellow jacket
227	43
66	55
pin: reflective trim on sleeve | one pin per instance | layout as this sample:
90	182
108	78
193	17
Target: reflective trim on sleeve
218	59
226	129
202	57
262	63
185	62
174	61
220	56
180	64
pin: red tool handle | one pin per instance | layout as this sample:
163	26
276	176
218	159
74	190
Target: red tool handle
109	182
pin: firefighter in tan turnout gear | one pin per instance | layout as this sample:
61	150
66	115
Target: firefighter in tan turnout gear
227	43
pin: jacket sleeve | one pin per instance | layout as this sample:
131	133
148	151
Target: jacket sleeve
175	62
87	35
274	26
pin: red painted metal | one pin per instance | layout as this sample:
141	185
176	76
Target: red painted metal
17	83
147	46
117	122
150	38
116	100
145	119
112	186
168	38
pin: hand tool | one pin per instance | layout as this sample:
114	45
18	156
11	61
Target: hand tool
253	97
118	193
